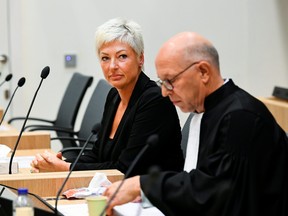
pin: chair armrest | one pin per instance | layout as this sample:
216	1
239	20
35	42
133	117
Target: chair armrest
73	139
30	118
50	128
73	152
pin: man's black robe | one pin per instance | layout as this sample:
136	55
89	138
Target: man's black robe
242	163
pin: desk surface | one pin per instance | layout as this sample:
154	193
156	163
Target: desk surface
79	207
25	157
1	112
278	108
29	140
30	152
48	183
7	128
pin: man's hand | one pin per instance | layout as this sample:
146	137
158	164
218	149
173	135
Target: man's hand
129	191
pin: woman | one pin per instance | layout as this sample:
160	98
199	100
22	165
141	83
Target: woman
134	110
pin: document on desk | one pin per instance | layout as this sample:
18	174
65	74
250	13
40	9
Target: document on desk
74	210
135	209
23	161
129	209
4	128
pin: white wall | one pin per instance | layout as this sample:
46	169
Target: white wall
250	35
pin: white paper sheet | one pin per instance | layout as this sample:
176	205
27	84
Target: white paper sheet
23	161
129	209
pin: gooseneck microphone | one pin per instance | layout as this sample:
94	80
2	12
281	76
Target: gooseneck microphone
21	82
94	131
44	74
7	78
152	140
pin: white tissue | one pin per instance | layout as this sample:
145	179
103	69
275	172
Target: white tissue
96	187
99	180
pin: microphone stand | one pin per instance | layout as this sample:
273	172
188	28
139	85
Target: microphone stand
151	142
44	74
7	78
93	132
21	82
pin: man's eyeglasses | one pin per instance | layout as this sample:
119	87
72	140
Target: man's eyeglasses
168	83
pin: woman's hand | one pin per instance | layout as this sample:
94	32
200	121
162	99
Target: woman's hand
49	162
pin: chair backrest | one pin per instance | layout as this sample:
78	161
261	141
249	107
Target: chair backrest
94	110
185	134
71	100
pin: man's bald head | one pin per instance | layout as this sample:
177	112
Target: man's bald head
186	45
188	66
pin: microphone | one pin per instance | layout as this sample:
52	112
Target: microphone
8	78
94	131
44	74
152	140
21	82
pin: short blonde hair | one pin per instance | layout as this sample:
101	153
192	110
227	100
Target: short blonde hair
123	30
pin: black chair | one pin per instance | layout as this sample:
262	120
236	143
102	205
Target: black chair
185	134
68	109
92	115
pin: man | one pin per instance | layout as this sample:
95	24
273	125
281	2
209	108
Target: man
236	158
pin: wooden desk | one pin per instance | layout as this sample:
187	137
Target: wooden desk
30	152
29	140
7	128
279	109
1	112
23	158
79	207
48	184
